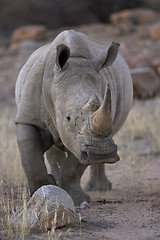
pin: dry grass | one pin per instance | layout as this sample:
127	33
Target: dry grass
12	179
139	143
13	191
142	124
11	170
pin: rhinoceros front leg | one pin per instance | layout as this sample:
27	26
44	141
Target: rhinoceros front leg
31	150
56	159
98	180
68	172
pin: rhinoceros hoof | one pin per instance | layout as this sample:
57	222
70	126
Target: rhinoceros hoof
49	207
98	185
79	197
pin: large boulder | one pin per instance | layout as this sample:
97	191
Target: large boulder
134	16
146	83
58	13
29	32
49	207
140	60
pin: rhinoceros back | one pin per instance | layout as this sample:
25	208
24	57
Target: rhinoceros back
29	92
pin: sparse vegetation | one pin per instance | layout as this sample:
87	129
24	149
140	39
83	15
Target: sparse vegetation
12	179
144	123
131	209
138	142
11	171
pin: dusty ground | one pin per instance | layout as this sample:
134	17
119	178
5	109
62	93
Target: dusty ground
131	210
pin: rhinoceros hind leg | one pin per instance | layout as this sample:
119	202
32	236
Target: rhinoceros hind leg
67	172
98	180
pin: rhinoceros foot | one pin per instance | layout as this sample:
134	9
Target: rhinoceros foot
76	192
79	197
98	180
98	185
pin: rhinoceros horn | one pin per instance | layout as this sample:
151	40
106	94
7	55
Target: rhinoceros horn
101	122
105	59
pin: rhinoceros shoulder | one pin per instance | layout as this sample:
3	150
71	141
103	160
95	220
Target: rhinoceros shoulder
28	91
29	66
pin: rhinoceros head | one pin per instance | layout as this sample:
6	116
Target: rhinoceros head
82	109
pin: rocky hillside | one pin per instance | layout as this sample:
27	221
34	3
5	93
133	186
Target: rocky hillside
58	13
138	32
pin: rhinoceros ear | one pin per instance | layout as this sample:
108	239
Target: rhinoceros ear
105	59
63	53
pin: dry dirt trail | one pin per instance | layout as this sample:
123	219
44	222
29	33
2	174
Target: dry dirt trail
131	210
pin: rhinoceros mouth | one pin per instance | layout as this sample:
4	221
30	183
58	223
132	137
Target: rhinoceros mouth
88	158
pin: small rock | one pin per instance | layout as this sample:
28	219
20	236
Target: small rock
84	205
30	32
133	16
158	70
27	45
156	64
123	28
143	31
154	31
146	83
50	206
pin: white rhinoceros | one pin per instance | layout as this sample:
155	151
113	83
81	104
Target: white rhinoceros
73	96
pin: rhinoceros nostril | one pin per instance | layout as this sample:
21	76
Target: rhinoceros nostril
68	118
84	156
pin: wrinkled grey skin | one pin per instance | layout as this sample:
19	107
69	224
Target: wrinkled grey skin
73	96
